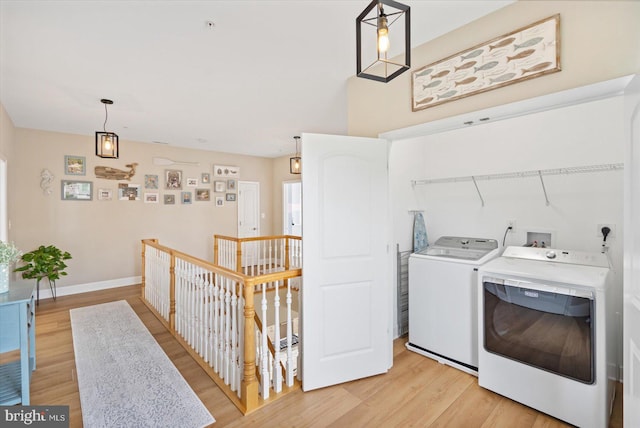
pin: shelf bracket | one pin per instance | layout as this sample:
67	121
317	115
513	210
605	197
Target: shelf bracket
478	190
544	189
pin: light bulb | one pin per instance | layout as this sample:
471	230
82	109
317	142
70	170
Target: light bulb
107	143
383	34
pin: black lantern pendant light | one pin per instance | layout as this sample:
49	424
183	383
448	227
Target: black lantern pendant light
375	49
106	142
295	163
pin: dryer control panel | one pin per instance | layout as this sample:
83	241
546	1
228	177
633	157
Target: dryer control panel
584	258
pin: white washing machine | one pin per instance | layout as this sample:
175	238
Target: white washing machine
545	336
443	300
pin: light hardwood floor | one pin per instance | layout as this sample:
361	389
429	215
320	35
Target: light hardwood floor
417	391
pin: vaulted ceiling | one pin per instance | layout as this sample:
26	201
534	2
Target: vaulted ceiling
263	72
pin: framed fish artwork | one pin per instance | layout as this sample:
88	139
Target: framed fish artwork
523	54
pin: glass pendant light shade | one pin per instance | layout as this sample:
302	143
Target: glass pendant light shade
107	144
295	163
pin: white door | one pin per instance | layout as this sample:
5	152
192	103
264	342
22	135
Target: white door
4	229
347	292
248	209
292	209
631	326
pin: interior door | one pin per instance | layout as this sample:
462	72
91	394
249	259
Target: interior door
347	291
292	209
249	219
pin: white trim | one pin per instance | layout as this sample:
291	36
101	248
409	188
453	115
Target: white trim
45	292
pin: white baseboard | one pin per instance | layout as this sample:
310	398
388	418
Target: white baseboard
45	291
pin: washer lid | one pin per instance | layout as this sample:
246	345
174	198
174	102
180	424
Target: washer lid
463	248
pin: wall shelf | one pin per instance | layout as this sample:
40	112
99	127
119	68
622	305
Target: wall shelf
522	174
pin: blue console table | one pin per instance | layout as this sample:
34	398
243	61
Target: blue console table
17	332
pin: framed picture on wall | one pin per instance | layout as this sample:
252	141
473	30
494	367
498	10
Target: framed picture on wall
151	197
150	181
231	197
173	179
186	197
203	195
231	185
73	190
206	178
169	199
219	201
219	186
75	165
105	194
192	182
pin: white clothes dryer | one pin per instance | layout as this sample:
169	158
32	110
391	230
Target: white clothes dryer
443	300
545	336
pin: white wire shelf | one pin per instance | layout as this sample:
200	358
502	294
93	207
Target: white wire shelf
522	174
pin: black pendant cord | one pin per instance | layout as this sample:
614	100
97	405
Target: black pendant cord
106	117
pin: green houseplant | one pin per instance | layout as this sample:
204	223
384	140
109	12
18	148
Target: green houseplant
44	262
9	254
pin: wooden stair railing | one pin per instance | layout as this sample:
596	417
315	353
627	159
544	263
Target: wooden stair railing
210	311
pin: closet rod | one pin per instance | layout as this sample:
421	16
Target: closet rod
523	174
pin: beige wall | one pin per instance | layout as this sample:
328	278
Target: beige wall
600	40
104	236
281	174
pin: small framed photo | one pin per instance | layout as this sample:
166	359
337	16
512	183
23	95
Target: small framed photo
192	182
231	185
76	190
169	199
219	201
173	179
203	195
105	194
231	197
75	165
187	197
206	178
220	186
150	181
151	197
128	192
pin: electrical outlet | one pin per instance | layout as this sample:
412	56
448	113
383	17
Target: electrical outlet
512	225
611	235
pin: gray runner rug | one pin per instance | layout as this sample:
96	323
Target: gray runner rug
124	377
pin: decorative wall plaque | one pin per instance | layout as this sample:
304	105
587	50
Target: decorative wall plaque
528	52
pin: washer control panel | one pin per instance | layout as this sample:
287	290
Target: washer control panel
557	256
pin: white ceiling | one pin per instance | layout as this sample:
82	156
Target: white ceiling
268	70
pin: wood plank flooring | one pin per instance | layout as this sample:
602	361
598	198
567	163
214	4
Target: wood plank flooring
417	391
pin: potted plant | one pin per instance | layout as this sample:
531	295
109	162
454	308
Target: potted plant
9	254
45	262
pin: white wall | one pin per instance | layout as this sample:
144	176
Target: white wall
584	134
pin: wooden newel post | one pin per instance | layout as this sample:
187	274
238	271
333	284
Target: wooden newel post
239	260
250	381
286	253
143	277
215	250
172	292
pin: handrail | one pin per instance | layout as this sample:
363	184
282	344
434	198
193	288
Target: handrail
220	293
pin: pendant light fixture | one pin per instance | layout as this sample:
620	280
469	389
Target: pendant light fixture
295	163
374	49
106	142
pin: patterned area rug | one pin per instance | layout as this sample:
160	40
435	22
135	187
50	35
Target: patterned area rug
124	376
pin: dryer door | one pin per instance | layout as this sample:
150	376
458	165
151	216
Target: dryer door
546	327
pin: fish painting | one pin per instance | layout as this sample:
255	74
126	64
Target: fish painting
528	43
467	81
536	67
472	54
432	84
487	66
502	43
447	94
465	65
441	74
503	78
521	55
424	100
424	72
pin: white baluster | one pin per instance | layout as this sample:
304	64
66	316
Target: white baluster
264	348
215	323
234	333
227	330
289	337
277	371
